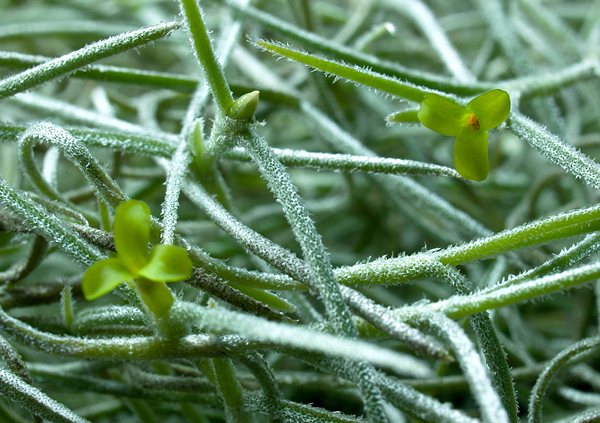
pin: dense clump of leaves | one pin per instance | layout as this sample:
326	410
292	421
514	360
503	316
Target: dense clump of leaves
299	296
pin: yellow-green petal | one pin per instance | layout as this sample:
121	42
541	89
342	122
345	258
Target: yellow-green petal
103	277
167	263
132	233
157	297
441	115
491	108
471	154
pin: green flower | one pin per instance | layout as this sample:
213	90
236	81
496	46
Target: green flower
470	125
149	270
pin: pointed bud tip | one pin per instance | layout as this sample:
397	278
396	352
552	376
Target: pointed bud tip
244	107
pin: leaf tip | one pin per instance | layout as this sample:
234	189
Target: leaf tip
245	106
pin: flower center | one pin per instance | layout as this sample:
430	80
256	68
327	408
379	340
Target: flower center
472	121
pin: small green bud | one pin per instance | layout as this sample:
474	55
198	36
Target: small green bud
244	107
196	139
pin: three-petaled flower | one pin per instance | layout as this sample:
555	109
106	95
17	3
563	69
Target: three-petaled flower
470	125
148	270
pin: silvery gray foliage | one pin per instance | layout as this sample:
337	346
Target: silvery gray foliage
556	150
334	256
487	398
76	60
31	398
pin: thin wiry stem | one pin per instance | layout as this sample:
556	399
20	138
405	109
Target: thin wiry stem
350	163
107	188
80	58
539	390
366	253
201	43
425	19
48	226
33	399
475	372
316	257
556	149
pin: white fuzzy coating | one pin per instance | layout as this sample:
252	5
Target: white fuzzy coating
34	400
551	146
74	61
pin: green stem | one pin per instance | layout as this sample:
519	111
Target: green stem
260	369
304	230
48	226
24	266
230	389
487	339
73	28
296	412
463	306
562	261
431	28
350	163
141	410
35	400
400	269
489	401
562	359
549	83
203	50
326	46
82	57
76	152
131	76
557	150
411	197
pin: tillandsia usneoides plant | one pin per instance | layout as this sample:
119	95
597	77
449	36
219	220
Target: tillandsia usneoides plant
201	220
